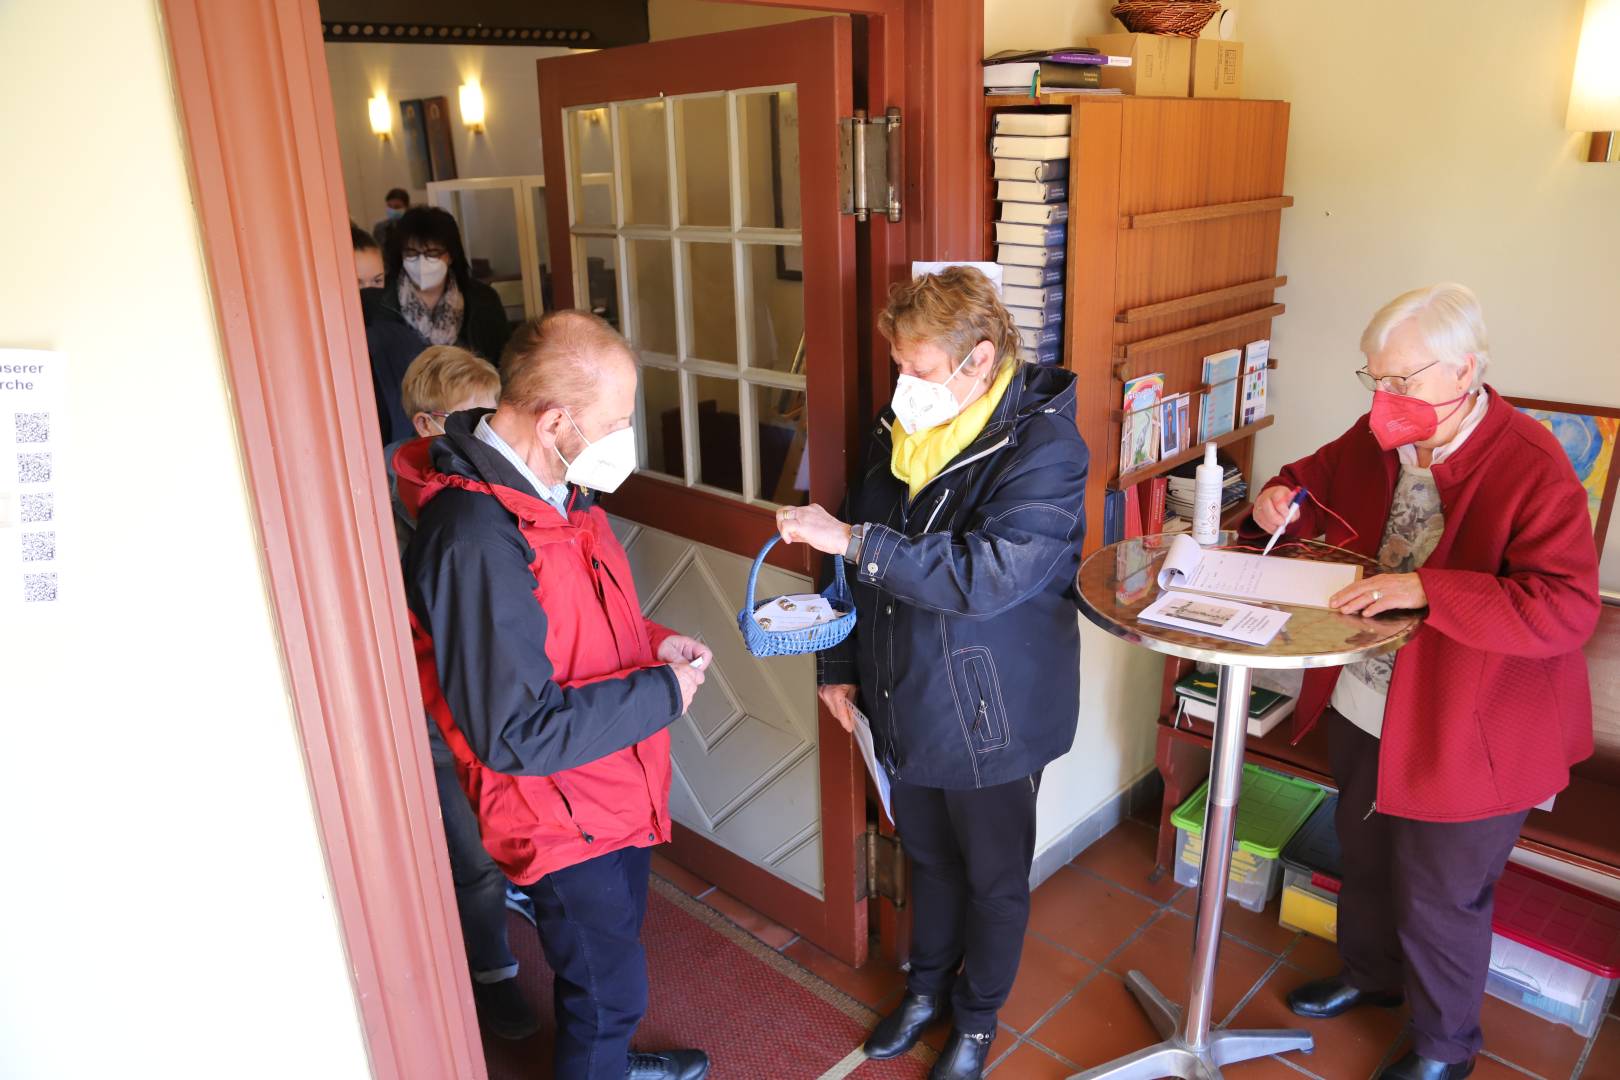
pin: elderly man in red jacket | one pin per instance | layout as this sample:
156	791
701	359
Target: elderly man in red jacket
551	689
1441	749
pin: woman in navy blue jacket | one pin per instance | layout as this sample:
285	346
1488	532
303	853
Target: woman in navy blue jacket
964	533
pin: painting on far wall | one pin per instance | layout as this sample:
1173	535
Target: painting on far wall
441	146
1589	434
414	125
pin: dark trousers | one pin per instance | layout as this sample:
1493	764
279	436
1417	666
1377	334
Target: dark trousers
1415	908
589	918
480	885
970	853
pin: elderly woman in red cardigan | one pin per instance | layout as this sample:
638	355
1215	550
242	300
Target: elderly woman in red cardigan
1441	750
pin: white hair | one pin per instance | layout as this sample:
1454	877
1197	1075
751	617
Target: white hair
1449	321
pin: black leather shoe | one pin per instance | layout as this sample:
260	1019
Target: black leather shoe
1414	1066
504	1010
963	1057
668	1065
1327	998
898	1032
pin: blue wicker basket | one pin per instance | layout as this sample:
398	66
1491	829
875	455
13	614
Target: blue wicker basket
762	642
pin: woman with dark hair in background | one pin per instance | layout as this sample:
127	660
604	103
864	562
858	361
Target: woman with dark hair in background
428	297
368	261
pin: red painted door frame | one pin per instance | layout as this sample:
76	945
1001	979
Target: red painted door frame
256	109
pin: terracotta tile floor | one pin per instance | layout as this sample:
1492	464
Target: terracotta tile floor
1104	914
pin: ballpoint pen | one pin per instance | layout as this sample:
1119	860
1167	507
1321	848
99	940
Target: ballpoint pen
1293	511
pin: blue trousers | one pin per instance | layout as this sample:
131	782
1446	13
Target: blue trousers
480	885
589	918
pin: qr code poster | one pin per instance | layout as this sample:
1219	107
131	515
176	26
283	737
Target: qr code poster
33	396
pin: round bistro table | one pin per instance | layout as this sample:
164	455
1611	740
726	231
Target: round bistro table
1115	584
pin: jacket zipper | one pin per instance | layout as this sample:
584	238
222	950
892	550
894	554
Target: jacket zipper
1371	810
938	506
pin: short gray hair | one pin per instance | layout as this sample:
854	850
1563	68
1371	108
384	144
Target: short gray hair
1449	320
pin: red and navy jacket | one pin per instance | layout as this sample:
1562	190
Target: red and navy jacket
535	660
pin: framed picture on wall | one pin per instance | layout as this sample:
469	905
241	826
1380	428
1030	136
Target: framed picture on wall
441	145
1589	434
785	187
414	127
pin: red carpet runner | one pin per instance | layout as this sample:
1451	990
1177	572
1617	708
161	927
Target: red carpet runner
715	987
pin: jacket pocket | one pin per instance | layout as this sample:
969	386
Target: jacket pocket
606	799
984	713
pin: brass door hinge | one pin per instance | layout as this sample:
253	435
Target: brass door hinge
869	165
882	867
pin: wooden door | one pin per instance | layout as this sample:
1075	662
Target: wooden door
698	213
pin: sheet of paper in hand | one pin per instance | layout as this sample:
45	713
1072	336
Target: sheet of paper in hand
794	612
1216	618
1269	578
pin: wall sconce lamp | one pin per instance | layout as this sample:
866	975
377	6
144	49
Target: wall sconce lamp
1594	91
382	117
472	105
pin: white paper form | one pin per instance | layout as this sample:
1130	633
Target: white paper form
33	420
1213	617
863	739
1242	576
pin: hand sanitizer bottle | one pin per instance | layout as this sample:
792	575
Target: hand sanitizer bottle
1207	483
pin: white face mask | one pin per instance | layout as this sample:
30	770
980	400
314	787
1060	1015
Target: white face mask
919	404
426	273
603	464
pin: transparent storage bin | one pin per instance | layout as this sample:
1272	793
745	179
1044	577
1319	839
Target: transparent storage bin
1567	995
1307	905
1252	882
1271	808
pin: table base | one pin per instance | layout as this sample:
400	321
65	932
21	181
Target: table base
1174	1057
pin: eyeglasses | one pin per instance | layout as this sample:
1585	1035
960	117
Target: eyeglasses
1392	384
429	253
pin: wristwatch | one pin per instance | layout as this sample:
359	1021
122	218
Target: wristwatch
857	535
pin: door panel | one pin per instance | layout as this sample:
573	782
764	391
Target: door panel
700	218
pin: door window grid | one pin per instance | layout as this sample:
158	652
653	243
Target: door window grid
740	239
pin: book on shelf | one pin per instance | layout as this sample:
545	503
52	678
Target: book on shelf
1041	338
1033	276
1256	358
1032	191
1139	426
1048	298
1217	408
1008	56
1267	707
1089	56
1029	123
1047	355
1153	520
1030	147
1030	169
1133	512
1035	318
1077	91
1025	213
1113	516
1050	236
1042	255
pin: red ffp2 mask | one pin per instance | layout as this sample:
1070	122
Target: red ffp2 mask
1398	420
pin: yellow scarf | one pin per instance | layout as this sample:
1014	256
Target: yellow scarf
918	458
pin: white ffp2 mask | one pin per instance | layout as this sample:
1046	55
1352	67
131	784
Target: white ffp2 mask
919	404
426	273
603	464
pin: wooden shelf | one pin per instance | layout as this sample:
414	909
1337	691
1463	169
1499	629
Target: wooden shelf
1197	333
1024	101
1198	300
1213	212
1192	453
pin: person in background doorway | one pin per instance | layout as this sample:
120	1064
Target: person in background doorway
395	203
445	380
967	527
368	260
1441	749
428	297
550	687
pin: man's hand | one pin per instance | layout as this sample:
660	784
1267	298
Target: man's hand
814	526
690	679
1271	508
1380	593
840	701
680	649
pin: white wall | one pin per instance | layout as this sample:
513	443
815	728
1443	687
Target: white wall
1426	144
166	908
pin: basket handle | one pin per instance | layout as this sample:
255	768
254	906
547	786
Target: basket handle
840	586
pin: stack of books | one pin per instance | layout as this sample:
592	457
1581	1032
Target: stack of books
1196	696
1178	499
1073	70
1030	151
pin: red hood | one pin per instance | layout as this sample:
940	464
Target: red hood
420	479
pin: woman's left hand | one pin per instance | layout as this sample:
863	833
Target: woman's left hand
1381	593
814	526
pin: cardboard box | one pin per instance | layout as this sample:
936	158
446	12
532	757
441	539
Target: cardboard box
1217	68
1160	66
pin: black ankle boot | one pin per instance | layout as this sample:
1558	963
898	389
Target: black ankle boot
963	1057
1414	1066
899	1031
1327	998
668	1065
